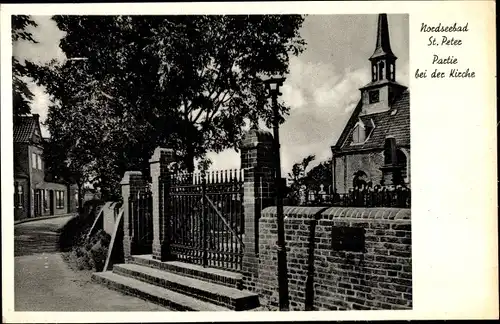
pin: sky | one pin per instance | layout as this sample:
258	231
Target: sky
321	89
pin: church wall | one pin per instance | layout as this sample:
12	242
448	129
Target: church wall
346	165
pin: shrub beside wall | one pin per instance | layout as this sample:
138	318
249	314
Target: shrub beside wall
322	277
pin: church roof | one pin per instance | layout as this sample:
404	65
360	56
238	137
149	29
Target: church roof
394	122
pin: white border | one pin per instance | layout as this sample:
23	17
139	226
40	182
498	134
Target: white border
454	217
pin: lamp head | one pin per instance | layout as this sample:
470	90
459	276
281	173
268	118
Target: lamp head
274	83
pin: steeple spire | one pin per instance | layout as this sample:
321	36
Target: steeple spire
383	59
383	46
378	95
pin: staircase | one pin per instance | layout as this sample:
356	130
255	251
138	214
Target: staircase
179	286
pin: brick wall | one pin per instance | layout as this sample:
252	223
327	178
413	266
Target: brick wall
257	163
159	171
322	278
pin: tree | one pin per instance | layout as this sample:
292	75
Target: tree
21	94
319	175
298	177
132	83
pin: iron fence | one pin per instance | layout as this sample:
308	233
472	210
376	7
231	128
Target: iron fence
206	217
383	197
141	221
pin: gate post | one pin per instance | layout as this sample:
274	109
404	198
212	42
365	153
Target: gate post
159	171
257	162
131	183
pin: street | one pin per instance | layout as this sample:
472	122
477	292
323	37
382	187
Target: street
44	282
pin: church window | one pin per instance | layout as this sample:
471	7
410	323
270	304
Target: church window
381	70
374	73
401	160
373	96
362	131
390	156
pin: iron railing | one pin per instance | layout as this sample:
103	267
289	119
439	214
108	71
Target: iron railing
384	197
141	221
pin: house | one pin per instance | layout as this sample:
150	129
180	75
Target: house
375	143
34	195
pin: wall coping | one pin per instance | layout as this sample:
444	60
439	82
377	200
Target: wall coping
377	213
159	152
129	174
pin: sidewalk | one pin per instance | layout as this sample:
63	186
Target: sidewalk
34	219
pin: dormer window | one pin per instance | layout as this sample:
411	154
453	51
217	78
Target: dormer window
362	131
373	96
358	135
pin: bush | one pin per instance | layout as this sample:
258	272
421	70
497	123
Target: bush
90	253
73	233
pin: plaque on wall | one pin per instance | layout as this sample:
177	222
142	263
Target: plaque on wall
348	239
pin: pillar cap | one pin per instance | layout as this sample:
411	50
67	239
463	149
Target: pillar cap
159	153
129	174
256	136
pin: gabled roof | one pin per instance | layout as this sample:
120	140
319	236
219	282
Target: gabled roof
25	127
394	122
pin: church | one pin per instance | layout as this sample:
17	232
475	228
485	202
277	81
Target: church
375	143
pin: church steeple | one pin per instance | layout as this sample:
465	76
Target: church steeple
379	93
383	59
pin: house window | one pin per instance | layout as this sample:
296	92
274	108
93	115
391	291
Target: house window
59	199
374	96
39	162
45	200
18	196
33	160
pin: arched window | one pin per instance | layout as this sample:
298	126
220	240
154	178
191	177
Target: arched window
374	73
381	69
403	162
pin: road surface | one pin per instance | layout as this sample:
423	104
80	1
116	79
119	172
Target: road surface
44	282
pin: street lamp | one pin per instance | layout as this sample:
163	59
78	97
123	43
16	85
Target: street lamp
272	86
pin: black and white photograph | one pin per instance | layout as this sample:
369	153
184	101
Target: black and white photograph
211	162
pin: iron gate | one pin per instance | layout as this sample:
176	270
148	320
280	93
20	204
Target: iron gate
141	222
205	213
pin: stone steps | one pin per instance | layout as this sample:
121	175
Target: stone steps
231	298
217	276
180	286
156	294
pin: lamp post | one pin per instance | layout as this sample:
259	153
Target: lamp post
272	86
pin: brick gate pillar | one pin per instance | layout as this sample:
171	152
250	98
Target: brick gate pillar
259	193
159	162
131	183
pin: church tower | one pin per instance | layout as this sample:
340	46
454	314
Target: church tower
379	94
